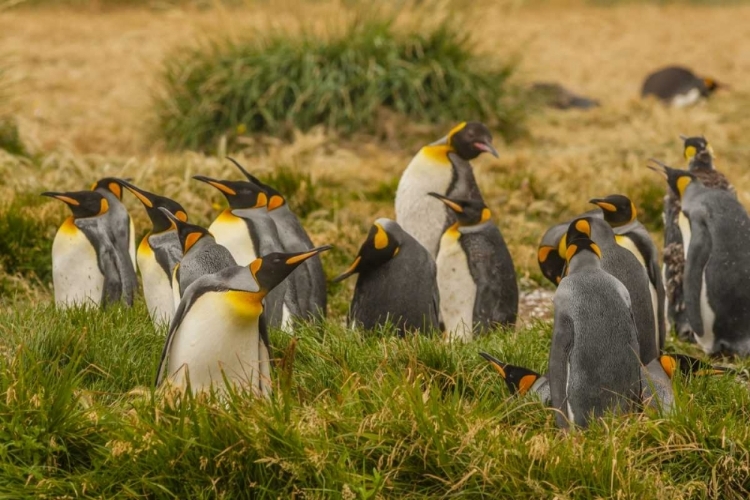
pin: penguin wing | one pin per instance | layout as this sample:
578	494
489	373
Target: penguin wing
107	257
698	253
562	344
492	269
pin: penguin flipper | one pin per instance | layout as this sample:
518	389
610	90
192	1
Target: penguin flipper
109	264
562	344
698	253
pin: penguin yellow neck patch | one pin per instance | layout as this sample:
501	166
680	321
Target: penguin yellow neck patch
191	240
381	238
275	202
690	152
245	304
438	153
682	184
458	128
68	226
145	247
453	232
227	216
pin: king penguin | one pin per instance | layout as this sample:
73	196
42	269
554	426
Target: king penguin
310	280
87	266
678	86
397	282
475	273
120	224
521	380
715	230
158	253
593	361
218	334
621	215
442	167
551	251
699	155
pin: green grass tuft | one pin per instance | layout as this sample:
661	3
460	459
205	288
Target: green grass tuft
276	84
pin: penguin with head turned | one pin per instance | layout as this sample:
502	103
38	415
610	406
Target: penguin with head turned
715	230
521	380
158	253
310	279
120	224
87	266
396	283
594	365
475	273
551	250
218	335
441	167
699	155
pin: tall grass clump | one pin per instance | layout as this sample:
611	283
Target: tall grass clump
274	84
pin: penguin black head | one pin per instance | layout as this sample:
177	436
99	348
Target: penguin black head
689	366
618	209
275	199
710	86
698	152
468	212
581	244
551	263
239	194
189	234
379	247
272	269
678	180
518	379
470	139
82	203
579	228
110	184
153	202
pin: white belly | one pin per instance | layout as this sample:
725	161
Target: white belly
682	100
233	234
421	215
684	225
286	320
157	287
131	243
708	339
628	244
571	415
75	270
457	289
213	343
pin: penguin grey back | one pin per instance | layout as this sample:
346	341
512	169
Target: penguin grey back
203	258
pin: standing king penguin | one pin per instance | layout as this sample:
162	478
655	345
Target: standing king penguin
715	230
218	332
442	167
475	273
593	361
87	266
397	282
310	280
120	224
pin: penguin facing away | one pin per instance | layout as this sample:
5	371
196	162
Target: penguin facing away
310	280
521	380
397	282
620	213
593	363
678	86
159	252
87	266
715	230
218	332
551	250
442	167
120	224
475	273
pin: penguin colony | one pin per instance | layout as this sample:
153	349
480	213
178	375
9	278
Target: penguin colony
441	265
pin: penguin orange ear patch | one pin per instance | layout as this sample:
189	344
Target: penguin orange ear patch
456	130
596	250
486	214
381	238
104	206
116	189
275	202
255	266
584	227
526	382
690	152
682	184
543	253
191	240
181	216
262	200
572	249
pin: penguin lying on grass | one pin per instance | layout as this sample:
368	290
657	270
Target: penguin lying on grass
397	282
158	253
87	266
475	273
441	167
521	380
218	334
678	86
715	231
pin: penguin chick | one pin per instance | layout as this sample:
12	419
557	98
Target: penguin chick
715	230
521	380
442	167
158	253
218	334
87	266
310	280
201	255
624	266
678	86
593	363
397	281
620	213
475	273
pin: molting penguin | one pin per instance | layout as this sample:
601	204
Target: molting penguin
158	253
218	332
677	86
396	282
521	380
624	266
593	362
310	279
715	231
475	274
699	154
87	266
620	213
442	167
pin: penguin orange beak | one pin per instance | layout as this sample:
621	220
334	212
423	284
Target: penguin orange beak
351	270
487	147
496	364
216	183
143	196
451	204
64	197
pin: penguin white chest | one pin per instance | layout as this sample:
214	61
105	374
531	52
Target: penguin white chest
684	224
213	342
690	97
629	245
131	242
157	286
232	232
76	276
708	339
421	215
457	288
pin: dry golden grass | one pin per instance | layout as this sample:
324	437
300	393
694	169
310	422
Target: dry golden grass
85	82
